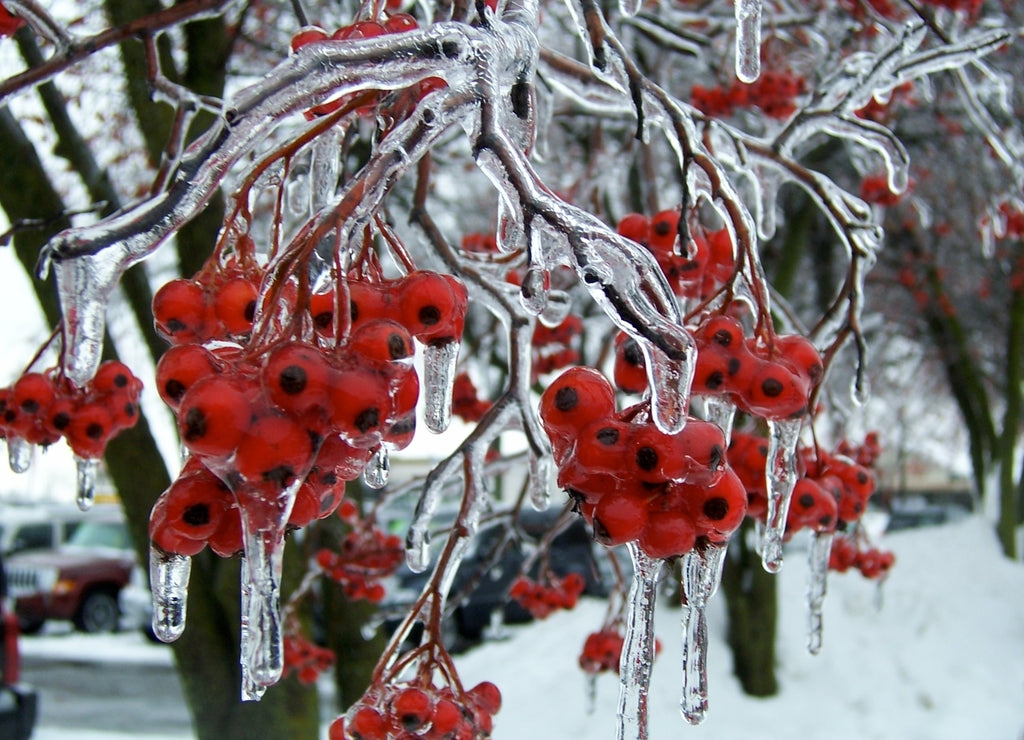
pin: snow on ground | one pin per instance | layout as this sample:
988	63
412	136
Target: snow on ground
943	658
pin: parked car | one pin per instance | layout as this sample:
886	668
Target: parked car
18	702
480	588
37	527
79	581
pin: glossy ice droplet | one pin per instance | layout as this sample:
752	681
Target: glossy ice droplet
439	361
539	481
748	39
85	482
817	582
638	648
780	475
630	7
720	411
589	692
533	293
19	454
168	576
701	572
251	691
378	469
670	380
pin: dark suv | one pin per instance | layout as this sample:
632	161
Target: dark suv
79	581
493	562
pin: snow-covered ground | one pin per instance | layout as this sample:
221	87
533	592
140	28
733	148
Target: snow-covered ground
942	658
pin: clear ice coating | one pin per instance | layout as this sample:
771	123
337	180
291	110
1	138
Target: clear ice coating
748	39
19	454
720	411
539	479
85	482
533	292
701	573
638	649
378	469
439	363
817	582
168	576
780	475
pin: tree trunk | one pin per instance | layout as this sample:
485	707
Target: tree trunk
752	602
1009	440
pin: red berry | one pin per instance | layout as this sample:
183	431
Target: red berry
275	448
668	533
89	430
235	304
412	708
179	310
179	368
297	377
213	416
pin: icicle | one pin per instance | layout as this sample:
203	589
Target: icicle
324	168
539	480
251	691
701	572
748	39
378	469
720	411
817	583
168	576
589	692
638	649
558	306
439	361
781	477
533	293
630	7
19	454
85	482
670	380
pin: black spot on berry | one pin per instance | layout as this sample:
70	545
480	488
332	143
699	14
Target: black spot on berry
734	365
292	380
250	311
661	228
196	515
772	387
397	348
716	508
283	475
566	399
129	409
862	478
714	380
30	405
94	431
647	458
368	419
174	389
195	424
429	315
353	310
324	319
806	500
120	380
61	420
632	353
722	337
825	521
608	436
717	455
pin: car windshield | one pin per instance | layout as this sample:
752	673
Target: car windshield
101	534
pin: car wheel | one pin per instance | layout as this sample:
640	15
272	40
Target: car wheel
30	626
98	613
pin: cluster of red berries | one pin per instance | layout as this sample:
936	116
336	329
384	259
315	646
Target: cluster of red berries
552	346
871	562
466	402
710	261
219	302
43	407
632	481
407	711
1012	215
306	660
774	92
366	29
541	599
832	489
772	379
866	453
602	651
366	556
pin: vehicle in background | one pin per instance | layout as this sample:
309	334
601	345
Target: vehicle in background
491	564
78	581
18	702
25	527
136	604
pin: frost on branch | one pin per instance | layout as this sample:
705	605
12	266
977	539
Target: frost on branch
347	251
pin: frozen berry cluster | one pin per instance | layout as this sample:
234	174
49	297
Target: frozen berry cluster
366	29
411	711
43	407
872	563
602	651
542	598
773	92
832	490
709	260
304	659
366	556
553	346
632	481
771	379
